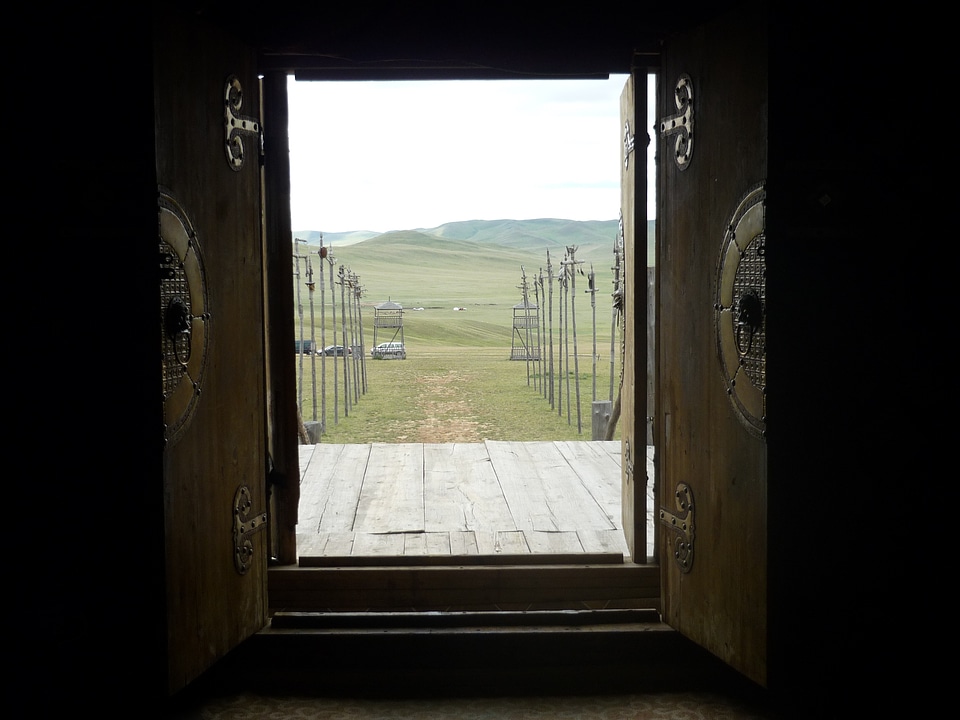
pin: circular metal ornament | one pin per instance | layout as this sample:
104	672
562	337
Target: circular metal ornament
184	318
741	310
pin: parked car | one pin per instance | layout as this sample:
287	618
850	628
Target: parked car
389	351
336	350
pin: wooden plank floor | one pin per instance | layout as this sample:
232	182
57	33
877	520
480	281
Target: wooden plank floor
494	497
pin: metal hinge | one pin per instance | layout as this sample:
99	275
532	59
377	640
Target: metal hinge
683	525
245	525
681	124
236	125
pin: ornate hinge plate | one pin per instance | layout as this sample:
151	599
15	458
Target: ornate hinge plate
236	124
683	525
245	525
629	141
681	124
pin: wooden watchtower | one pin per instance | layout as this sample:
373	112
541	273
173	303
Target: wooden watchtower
387	321
526	331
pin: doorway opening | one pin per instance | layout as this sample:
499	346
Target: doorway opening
458	299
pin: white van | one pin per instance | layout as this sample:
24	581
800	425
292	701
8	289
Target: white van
389	351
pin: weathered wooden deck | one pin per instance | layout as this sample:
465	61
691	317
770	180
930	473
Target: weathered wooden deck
489	498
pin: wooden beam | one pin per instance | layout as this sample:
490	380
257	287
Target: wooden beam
283	471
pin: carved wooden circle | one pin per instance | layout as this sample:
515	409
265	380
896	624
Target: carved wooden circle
741	310
184	318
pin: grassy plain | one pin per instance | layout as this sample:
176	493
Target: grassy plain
457	383
445	394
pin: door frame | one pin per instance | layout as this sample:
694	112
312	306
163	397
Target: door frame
284	491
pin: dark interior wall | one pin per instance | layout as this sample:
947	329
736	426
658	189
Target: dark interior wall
383	39
87	565
840	416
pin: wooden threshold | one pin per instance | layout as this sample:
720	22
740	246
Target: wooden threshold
461	560
531	621
449	588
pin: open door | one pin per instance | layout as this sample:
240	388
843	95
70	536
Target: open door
710	419
211	311
633	295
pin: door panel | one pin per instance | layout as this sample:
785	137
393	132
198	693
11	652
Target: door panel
714	570
213	367
633	394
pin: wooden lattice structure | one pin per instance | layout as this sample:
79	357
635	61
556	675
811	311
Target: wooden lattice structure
387	322
526	331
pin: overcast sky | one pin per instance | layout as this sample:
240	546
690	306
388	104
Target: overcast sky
401	155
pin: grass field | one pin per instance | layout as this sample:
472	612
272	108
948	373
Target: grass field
457	383
449	394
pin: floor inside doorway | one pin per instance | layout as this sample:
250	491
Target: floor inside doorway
487	498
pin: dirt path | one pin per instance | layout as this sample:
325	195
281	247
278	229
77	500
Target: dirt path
444	416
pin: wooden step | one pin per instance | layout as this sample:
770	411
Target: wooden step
468	654
533	621
473	588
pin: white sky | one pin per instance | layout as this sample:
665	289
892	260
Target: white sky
401	155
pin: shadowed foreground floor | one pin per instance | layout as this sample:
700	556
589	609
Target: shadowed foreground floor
360	687
663	706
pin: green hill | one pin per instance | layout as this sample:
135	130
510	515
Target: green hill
474	266
547	233
593	238
420	270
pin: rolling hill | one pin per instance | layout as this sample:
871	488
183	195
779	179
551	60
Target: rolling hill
593	238
477	266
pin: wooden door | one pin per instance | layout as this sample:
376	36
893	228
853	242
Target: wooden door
211	307
710	417
633	388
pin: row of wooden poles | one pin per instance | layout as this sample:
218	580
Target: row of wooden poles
349	369
550	373
543	371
